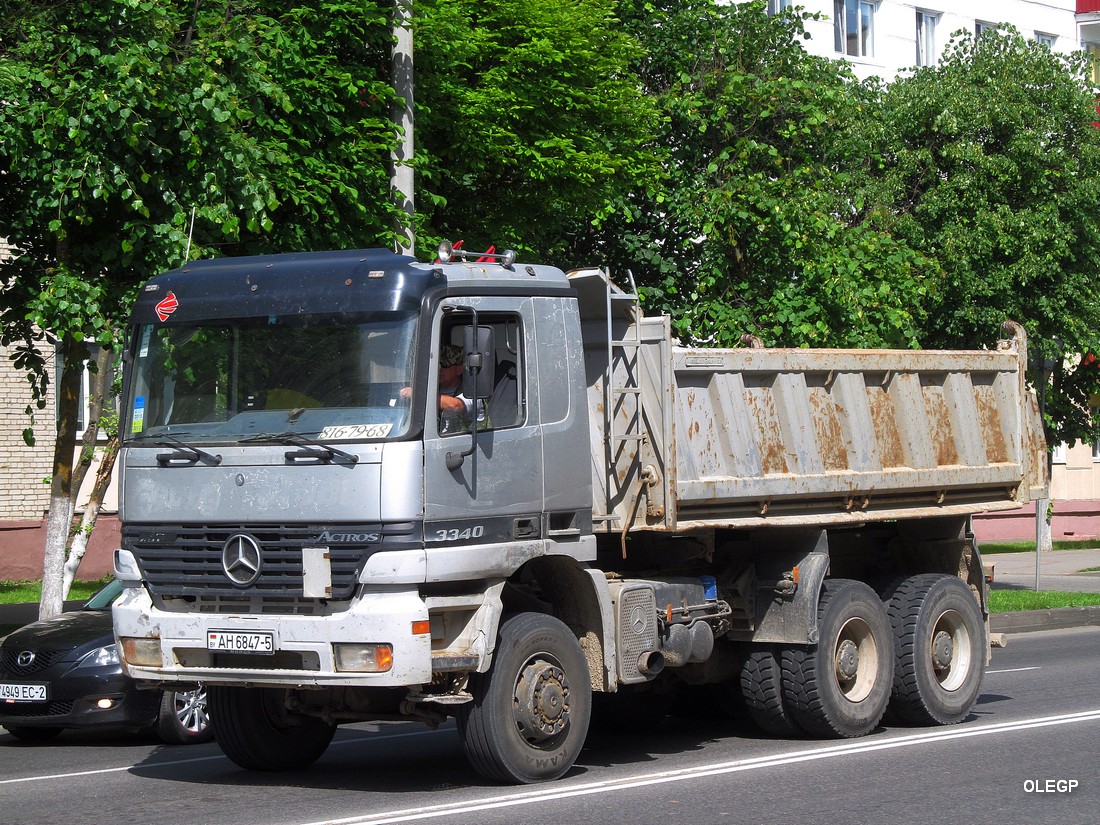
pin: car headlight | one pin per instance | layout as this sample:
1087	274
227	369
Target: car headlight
100	657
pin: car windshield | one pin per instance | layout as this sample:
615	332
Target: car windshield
104	598
328	377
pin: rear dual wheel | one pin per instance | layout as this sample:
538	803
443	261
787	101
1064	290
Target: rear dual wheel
761	681
840	687
939	636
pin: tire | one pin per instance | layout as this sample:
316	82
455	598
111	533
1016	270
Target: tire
939	653
762	688
183	718
840	687
530	713
254	729
34	734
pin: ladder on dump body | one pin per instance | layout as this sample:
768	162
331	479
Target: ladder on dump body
628	349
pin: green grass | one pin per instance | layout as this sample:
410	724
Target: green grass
1004	601
31	591
988	547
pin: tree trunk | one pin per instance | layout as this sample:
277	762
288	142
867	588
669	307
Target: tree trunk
59	522
91	513
99	391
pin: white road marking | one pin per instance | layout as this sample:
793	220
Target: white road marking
561	790
1012	670
531	797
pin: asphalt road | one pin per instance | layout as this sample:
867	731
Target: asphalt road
1029	754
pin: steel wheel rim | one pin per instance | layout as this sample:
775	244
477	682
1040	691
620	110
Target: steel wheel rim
541	702
855	660
949	650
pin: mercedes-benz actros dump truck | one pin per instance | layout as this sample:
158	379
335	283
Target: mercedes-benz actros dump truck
355	486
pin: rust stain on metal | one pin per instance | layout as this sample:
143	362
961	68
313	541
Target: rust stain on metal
939	419
887	437
989	417
773	455
830	434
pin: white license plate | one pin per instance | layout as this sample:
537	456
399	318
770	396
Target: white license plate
23	693
241	641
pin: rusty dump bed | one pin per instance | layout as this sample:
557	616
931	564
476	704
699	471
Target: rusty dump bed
685	438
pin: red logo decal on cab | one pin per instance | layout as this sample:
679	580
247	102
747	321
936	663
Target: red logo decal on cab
167	306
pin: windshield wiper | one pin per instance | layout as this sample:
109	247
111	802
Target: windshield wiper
308	447
183	451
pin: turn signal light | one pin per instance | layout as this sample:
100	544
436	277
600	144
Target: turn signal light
142	652
363	658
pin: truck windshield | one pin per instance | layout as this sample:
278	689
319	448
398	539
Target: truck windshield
337	378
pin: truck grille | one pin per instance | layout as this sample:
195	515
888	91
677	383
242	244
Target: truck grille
186	560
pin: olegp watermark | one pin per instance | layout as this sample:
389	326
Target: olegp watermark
1050	785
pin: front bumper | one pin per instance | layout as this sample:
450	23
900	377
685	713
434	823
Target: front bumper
303	655
74	703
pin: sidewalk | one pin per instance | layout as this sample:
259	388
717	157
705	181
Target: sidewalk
1058	570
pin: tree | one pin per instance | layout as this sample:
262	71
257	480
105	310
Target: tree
990	163
758	227
530	122
131	128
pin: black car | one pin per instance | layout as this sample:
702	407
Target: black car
64	673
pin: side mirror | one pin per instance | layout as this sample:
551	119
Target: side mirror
479	348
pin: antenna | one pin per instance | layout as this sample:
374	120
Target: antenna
190	232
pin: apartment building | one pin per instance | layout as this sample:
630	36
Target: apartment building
887	37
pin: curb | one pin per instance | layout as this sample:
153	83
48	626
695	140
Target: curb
1059	618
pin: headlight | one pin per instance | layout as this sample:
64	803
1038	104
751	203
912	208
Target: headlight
100	657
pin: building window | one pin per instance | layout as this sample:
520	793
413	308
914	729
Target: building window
83	415
1058	454
1093	50
1046	40
776	6
853	27
926	38
981	27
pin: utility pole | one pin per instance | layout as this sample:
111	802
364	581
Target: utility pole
401	178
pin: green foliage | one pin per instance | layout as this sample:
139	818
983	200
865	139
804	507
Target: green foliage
530	124
755	229
990	162
120	119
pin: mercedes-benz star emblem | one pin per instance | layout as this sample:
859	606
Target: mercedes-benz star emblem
241	559
25	658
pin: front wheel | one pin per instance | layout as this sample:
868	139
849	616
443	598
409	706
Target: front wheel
256	731
939	638
840	687
530	713
183	718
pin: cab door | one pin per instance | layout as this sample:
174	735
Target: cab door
495	495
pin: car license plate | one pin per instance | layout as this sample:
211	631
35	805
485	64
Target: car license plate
241	641
23	693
